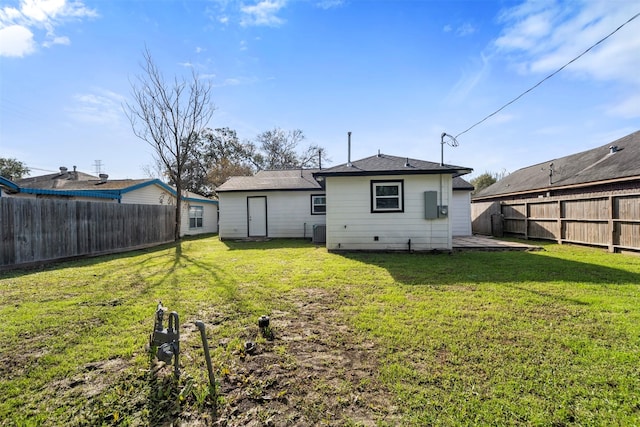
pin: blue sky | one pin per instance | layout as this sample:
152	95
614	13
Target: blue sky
395	73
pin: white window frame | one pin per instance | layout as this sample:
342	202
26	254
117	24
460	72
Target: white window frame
314	205
375	197
196	217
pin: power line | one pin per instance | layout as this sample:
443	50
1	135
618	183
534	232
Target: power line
548	77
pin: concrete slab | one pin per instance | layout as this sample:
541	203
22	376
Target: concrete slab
487	243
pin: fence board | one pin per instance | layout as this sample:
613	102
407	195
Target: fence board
612	220
37	230
586	209
543	210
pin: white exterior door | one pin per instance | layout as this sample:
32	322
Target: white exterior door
460	213
257	216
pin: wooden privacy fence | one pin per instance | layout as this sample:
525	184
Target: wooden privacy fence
611	221
39	230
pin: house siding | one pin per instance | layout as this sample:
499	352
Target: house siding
288	214
155	195
352	226
148	195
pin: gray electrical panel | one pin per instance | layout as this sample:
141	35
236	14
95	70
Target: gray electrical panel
430	205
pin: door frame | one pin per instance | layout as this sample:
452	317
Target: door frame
266	223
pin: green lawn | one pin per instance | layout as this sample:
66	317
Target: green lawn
477	338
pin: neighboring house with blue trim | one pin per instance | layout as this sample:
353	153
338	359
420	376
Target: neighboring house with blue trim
200	214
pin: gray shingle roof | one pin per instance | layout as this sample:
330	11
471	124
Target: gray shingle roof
461	184
82	181
592	166
270	180
385	164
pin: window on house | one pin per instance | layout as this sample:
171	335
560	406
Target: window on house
195	216
318	204
387	196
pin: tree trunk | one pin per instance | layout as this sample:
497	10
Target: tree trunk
176	234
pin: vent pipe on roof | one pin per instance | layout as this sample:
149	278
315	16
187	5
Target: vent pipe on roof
406	165
349	150
378	152
103	177
613	149
63	170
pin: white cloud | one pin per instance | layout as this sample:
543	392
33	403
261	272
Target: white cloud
628	108
63	40
16	41
263	13
469	80
236	81
20	27
102	106
41	10
545	36
465	30
329	4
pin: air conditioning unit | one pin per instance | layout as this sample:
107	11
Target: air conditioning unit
319	233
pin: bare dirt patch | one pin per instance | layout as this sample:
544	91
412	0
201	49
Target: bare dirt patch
315	371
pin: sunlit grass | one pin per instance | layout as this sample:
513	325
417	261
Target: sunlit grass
477	338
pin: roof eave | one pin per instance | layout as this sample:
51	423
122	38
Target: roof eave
460	171
553	188
244	190
73	193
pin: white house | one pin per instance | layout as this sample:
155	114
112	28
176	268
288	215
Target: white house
276	204
199	214
384	202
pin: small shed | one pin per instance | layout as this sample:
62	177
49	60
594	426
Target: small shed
271	203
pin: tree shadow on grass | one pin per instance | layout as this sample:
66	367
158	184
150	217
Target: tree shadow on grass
88	261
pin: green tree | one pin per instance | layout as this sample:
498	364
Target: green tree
279	149
220	155
13	169
485	180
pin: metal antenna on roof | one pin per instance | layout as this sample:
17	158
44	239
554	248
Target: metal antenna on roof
451	141
349	150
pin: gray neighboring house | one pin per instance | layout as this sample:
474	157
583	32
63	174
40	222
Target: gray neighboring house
271	203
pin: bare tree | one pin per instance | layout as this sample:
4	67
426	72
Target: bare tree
169	117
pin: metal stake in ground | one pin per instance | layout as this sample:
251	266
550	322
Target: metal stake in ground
207	357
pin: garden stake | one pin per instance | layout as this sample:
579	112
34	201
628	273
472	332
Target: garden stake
207	357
